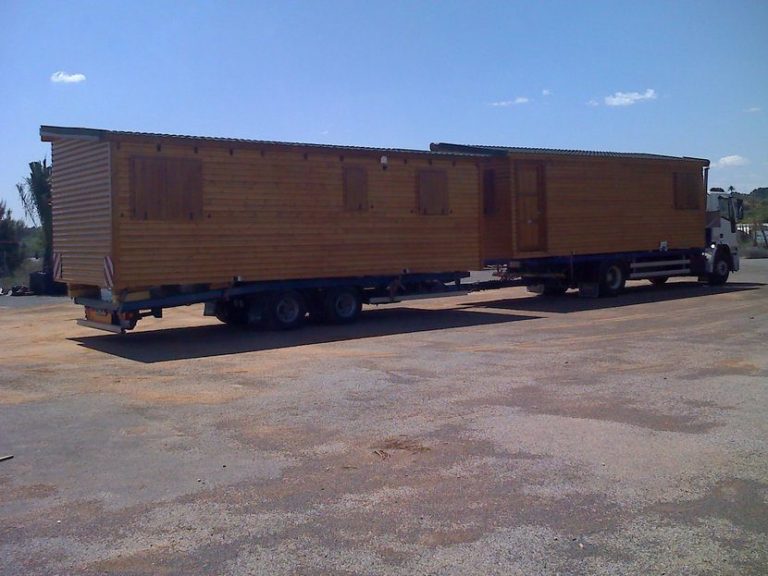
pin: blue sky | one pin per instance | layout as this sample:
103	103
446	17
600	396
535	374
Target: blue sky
680	78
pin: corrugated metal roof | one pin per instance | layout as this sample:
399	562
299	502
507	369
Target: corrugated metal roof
441	148
507	150
98	134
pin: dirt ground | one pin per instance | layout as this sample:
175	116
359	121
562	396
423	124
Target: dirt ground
495	433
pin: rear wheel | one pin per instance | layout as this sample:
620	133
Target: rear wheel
230	314
659	280
612	278
342	305
286	310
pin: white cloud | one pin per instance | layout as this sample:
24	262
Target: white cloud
67	78
629	98
593	102
730	161
516	101
546	92
753	109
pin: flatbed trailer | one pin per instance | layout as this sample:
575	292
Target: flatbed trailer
286	304
277	304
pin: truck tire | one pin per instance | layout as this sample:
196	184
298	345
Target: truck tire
721	269
286	310
659	280
612	277
229	314
554	288
342	305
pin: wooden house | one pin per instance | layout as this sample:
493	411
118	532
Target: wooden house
540	203
133	211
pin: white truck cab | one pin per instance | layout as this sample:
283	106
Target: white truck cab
722	251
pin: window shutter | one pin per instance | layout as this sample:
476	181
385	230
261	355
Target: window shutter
433	192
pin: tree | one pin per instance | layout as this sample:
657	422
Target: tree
35	194
10	246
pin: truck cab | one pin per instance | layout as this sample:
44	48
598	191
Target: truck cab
722	252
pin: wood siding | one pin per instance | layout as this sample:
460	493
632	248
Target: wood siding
496	224
607	205
81	205
278	212
630	207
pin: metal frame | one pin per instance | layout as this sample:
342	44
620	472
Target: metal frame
246	289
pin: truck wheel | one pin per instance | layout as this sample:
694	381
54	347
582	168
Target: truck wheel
286	310
342	305
659	280
720	271
612	278
554	288
227	313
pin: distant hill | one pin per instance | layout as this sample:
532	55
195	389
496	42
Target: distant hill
755	205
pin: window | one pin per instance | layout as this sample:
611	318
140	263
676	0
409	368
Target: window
166	189
489	192
688	190
433	192
726	208
355	189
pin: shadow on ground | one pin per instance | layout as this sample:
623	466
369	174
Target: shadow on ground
215	340
570	302
168	344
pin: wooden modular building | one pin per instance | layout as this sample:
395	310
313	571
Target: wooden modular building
132	211
540	203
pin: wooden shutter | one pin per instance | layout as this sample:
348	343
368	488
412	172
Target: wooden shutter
166	189
355	188
433	192
147	187
183	198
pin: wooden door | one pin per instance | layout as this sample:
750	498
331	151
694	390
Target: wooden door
531	207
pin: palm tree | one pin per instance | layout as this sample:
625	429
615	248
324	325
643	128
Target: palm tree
35	194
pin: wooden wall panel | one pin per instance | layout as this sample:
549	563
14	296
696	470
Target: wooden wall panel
279	213
497	226
82	217
615	205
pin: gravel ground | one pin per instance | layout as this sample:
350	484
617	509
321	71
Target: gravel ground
494	433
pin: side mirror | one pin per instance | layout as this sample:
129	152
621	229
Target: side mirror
739	209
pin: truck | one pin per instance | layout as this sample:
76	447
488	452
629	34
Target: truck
267	233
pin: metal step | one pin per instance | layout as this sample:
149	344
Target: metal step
388	300
660	263
659	273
